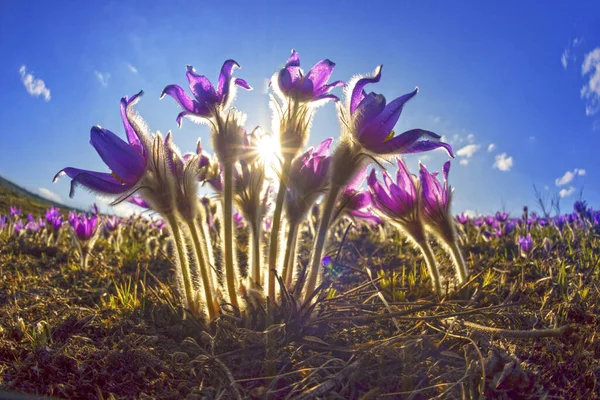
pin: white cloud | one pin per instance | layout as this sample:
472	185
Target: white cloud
591	91
468	151
132	68
470	137
569	176
470	213
464	161
568	55
50	195
503	162
566	192
565	179
491	147
123	209
103	78
34	86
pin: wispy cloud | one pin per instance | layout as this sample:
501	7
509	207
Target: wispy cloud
503	162
590	92
569	176
466	152
566	192
123	209
102	77
132	68
34	86
50	195
491	147
568	54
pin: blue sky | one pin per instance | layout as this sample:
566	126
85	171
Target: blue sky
523	78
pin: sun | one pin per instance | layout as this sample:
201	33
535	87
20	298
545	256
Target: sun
268	152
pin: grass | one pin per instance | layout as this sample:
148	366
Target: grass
118	330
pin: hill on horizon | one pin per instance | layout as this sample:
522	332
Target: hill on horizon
12	194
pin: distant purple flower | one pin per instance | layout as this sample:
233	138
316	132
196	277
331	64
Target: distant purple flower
51	214
94	209
57	223
311	87
18	227
542	222
30	218
559	221
477	221
462	219
84	227
492	234
510	226
3	221
207	101
126	160
501	216
436	196
371	121
238	219
32	227
15	212
525	245
326	261
112	223
580	207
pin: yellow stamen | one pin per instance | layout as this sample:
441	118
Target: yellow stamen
390	136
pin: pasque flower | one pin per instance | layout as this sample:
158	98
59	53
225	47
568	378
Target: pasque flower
400	202
207	101
126	160
370	120
436	215
310	88
525	245
85	229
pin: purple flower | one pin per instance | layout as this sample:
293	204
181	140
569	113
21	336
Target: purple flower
525	245
3	221
84	227
18	227
326	261
492	234
355	203
510	226
560	221
311	87
32	227
501	217
126	160
580	207
94	209
436	197
307	179
400	200
371	121
477	221
15	212
57	223
207	101
51	214
462	219
112	223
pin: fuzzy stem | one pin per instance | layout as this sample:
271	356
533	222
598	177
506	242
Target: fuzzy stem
256	257
290	254
84	258
228	232
204	272
458	261
183	262
317	253
431	266
275	228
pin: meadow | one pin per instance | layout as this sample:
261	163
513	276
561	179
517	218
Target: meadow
309	272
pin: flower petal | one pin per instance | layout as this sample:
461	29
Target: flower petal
180	96
122	159
319	74
97	181
225	77
412	141
387	118
357	91
243	84
202	88
132	136
293	60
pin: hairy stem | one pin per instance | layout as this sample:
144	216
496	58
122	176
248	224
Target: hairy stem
275	228
431	266
290	254
458	261
204	271
256	256
317	253
183	262
228	232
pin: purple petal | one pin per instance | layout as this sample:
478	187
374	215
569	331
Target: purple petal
132	136
326	88
243	84
122	159
139	201
202	89
288	77
97	181
357	91
225	77
293	60
320	73
412	141
369	108
180	96
386	120
379	195
357	180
